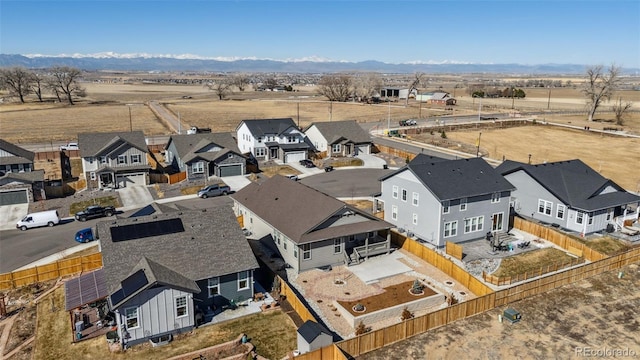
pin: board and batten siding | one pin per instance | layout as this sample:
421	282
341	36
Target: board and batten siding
156	314
322	254
228	290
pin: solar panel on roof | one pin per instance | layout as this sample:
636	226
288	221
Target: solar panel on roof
146	229
130	285
145	211
117	296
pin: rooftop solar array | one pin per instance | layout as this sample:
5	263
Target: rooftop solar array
146	229
130	285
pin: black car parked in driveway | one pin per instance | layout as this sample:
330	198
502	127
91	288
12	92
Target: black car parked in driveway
307	163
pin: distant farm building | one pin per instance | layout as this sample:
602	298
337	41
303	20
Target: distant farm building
436	97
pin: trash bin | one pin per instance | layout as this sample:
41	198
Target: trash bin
385	166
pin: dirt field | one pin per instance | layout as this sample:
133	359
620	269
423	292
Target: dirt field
597	314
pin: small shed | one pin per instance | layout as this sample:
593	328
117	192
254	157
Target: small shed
313	336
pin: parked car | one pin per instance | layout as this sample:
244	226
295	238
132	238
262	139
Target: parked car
307	163
42	218
95	211
214	190
69	146
293	177
328	168
84	235
408	122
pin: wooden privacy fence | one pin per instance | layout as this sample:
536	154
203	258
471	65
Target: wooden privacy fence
64	267
563	240
297	304
328	352
442	263
176	178
46	155
508	280
395	152
454	250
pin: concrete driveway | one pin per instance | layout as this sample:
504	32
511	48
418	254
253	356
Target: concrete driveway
10	214
134	197
236	183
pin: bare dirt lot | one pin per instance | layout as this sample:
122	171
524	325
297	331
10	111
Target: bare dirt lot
597	314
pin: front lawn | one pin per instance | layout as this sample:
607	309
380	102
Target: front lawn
102	201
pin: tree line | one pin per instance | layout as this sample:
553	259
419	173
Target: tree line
60	81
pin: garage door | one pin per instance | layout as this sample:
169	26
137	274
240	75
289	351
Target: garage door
293	157
363	149
131	179
14	197
231	170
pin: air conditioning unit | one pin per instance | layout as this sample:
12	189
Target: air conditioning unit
409	234
400	230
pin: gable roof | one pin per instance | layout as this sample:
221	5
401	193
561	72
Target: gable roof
260	127
188	146
574	183
296	210
20	155
28	177
92	144
208	243
455	179
336	130
310	330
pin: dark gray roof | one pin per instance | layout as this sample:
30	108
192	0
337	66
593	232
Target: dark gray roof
574	183
189	147
94	144
21	156
297	210
212	244
28	177
260	127
455	179
310	330
333	131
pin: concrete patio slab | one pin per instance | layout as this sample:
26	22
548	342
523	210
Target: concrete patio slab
380	267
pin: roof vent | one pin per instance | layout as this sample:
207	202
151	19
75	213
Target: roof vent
276	199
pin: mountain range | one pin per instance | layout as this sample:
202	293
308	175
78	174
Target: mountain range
167	64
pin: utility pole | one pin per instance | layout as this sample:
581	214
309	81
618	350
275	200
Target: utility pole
512	98
549	100
331	111
478	145
298	114
389	119
130	122
480	109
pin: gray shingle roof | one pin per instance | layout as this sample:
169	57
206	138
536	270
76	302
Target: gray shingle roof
211	245
260	127
455	179
188	146
94	144
310	330
26	177
296	210
21	156
335	130
574	183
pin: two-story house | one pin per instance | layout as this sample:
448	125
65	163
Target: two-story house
309	229
114	159
272	139
442	200
339	138
19	182
204	155
569	194
164	271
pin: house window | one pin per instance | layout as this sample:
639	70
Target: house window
136	159
544	207
395	192
229	156
495	198
291	139
394	212
445	207
473	224
103	159
415	199
463	204
122	159
335	148
243	280
259	139
579	217
496	221
306	251
181	306
404	195
93	175
609	211
278	237
131	316
198	167
284	243
590	219
260	151
214	286
295	251
450	228
89	159
415	219
337	246
560	211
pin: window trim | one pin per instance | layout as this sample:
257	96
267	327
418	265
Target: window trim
473	224
543	204
306	251
404	195
394	191
416	198
260	151
122	159
453	229
463	204
501	214
137	157
127	317
394	212
495	198
337	243
336	148
415	219
446	207
215	286
186	307
197	167
579	215
240	280
564	209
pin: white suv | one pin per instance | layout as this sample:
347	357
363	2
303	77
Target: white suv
69	146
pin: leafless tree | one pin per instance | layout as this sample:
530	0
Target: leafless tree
417	81
367	85
37	84
241	81
620	109
221	87
271	83
65	79
336	87
17	80
600	86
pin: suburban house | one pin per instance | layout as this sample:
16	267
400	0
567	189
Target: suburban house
114	159
436	97
569	194
309	229
19	182
394	92
166	271
441	200
339	138
272	139
313	336
204	155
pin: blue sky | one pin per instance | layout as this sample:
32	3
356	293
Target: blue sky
525	32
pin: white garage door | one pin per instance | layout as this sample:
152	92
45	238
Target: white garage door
131	179
364	149
294	156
